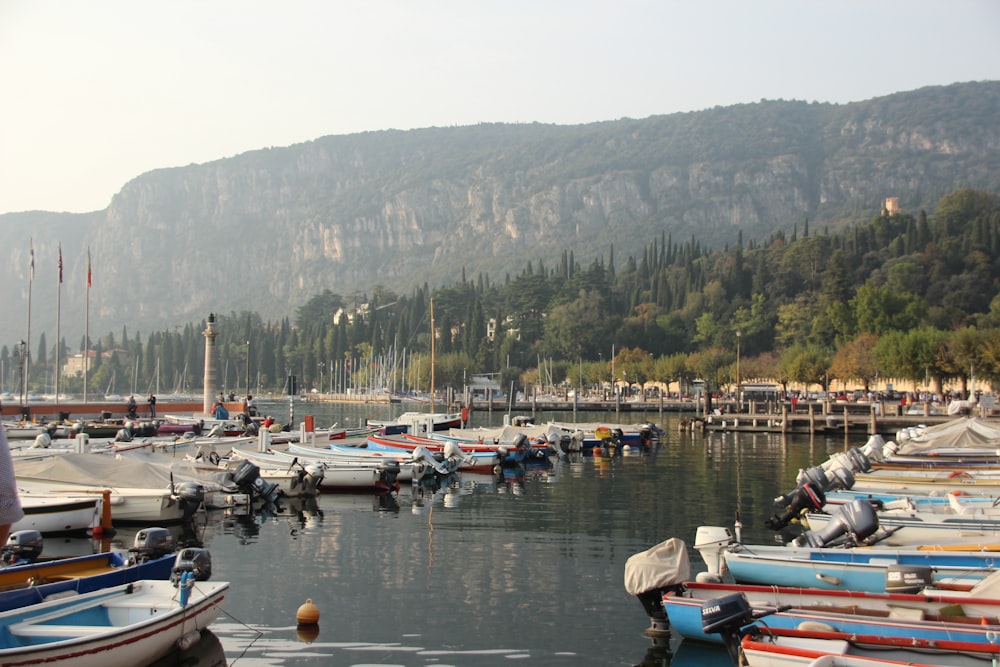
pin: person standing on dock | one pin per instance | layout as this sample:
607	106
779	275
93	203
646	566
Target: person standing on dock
152	406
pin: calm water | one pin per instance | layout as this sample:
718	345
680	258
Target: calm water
487	572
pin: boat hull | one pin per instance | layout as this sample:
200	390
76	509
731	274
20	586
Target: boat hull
133	624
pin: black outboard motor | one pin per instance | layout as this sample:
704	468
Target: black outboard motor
645	437
827	480
804	498
731	616
190	496
388	473
23	546
809	496
247	478
849	526
195	560
150	544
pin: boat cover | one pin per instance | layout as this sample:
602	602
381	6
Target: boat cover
661	566
966	432
505	434
122	471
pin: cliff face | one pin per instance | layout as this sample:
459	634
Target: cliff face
265	230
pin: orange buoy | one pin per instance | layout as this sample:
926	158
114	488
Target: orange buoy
308	613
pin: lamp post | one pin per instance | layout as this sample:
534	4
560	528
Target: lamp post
23	350
739	402
248	368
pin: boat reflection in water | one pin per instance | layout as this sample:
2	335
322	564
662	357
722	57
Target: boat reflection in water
206	652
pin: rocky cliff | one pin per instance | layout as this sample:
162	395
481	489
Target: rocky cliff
265	230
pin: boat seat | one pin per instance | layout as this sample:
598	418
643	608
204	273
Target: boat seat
906	613
43	630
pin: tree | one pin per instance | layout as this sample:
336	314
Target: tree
580	328
807	364
855	360
912	355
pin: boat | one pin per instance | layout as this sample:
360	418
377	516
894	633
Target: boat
595	434
777	647
476	457
418	422
926	614
816	560
130	624
937	524
141	492
27	579
332	476
410	468
58	514
363	477
751	640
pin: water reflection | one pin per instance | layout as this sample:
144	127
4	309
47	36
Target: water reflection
206	652
477	570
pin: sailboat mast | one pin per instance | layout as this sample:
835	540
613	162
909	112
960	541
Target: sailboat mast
58	369
432	355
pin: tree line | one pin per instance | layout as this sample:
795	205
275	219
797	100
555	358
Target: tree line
899	297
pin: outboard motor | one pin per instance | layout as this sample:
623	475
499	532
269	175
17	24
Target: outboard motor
150	544
646	436
850	525
711	542
190	496
907	578
802	499
388	474
196	560
731	616
421	453
826	480
311	475
651	574
853	459
23	546
874	448
247	478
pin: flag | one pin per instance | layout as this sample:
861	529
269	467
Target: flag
60	263
90	277
31	267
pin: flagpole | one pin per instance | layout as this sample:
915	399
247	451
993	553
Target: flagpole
58	323
86	335
27	347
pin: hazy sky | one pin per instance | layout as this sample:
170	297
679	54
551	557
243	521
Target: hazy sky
94	93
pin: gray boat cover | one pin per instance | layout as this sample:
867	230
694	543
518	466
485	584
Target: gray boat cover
963	433
664	565
123	471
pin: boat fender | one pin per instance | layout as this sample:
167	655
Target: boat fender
815	626
188	640
828	579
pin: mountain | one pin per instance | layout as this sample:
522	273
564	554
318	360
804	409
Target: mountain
265	230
